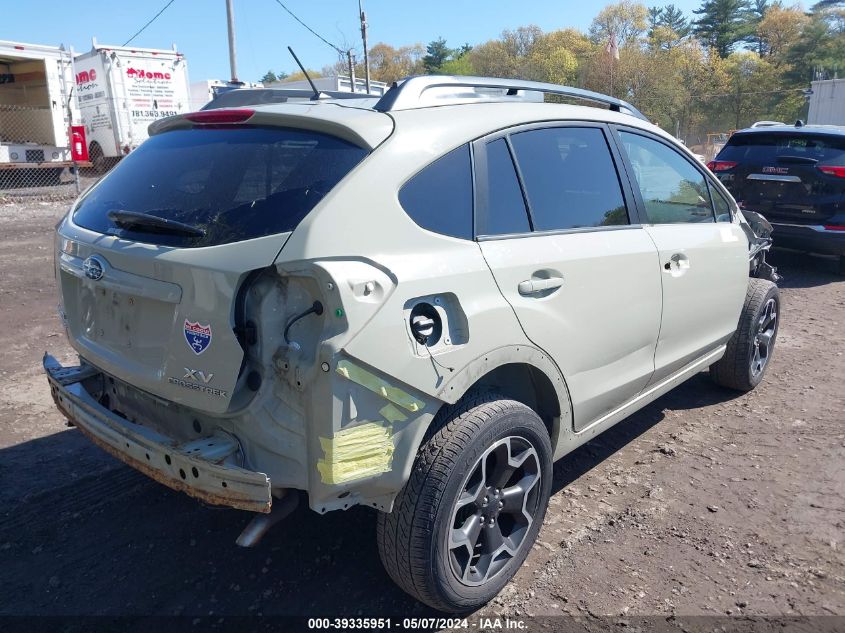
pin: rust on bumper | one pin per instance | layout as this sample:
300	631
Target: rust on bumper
196	468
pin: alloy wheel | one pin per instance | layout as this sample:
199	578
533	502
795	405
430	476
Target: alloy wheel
764	336
494	511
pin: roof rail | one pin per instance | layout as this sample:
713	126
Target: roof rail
407	94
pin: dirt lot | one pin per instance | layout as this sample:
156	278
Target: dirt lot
703	503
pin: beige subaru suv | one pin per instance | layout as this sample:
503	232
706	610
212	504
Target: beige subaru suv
415	304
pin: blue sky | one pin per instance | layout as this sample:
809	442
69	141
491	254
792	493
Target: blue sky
264	29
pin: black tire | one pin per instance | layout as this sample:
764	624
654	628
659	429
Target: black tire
749	350
841	268
414	540
53	177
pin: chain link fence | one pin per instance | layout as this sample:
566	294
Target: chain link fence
35	156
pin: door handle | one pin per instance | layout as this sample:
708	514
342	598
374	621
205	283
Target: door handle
534	286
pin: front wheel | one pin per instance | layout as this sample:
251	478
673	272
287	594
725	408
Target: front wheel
471	510
749	350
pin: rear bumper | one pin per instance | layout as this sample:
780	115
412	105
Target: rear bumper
200	468
806	237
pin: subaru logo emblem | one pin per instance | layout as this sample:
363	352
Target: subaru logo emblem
94	268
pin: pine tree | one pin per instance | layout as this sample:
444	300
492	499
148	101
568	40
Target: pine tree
438	53
723	24
674	18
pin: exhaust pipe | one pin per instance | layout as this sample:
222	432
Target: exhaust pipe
261	523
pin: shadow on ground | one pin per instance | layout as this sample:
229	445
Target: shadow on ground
112	542
801	270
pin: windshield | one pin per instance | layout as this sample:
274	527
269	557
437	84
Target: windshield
230	184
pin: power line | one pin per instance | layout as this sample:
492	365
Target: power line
150	22
757	92
339	50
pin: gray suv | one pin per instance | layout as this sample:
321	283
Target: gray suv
415	304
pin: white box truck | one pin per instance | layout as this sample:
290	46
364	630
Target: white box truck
204	91
122	90
827	102
37	107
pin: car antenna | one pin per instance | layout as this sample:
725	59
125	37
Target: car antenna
317	93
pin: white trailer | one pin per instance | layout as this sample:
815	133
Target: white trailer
204	91
124	89
827	102
36	108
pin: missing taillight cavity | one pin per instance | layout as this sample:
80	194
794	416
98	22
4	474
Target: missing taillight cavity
720	165
220	117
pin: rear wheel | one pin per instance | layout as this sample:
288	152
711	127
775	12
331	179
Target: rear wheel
53	176
471	510
750	349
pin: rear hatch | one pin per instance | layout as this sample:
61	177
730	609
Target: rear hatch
152	258
791	175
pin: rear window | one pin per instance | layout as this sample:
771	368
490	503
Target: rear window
439	198
234	184
768	147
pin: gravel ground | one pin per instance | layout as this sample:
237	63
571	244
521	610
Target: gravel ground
703	503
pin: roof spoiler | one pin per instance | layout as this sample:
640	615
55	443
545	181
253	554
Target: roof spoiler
407	94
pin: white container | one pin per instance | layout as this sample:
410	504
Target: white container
827	103
37	106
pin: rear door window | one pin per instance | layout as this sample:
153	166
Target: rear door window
569	177
673	190
439	198
506	212
232	184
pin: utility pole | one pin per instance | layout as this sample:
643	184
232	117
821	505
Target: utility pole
351	61
233	62
366	53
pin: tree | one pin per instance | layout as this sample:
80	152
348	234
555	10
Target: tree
668	26
675	19
552	60
819	51
754	81
438	53
825	4
269	77
390	64
300	76
723	24
493	59
654	18
780	29
627	20
520	41
461	65
757	11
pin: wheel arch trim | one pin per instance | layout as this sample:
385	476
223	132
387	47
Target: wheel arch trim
474	372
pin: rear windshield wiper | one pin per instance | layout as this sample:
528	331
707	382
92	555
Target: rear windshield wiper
800	160
146	221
